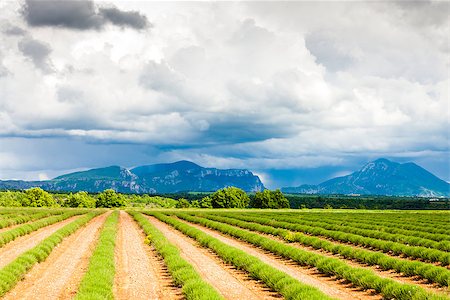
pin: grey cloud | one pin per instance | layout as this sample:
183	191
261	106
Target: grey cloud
81	15
249	34
326	51
232	129
424	13
13	30
160	77
3	71
69	95
124	18
38	52
71	14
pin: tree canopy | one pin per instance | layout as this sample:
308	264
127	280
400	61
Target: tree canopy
269	199
109	198
37	197
80	199
230	197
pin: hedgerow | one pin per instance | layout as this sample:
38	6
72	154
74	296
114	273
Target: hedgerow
15	271
97	282
277	280
366	279
183	274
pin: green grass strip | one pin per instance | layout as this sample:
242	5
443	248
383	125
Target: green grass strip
183	274
366	279
379	233
10	235
418	252
277	280
15	219
98	281
16	270
387	226
433	273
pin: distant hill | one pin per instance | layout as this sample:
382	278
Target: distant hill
160	178
381	177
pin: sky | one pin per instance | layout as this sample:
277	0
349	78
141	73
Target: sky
297	92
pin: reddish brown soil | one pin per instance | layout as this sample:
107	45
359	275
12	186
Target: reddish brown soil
14	226
140	273
227	281
328	285
13	249
59	276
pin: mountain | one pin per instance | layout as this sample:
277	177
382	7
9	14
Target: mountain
187	176
381	177
160	178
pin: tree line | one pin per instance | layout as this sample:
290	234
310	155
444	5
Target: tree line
230	197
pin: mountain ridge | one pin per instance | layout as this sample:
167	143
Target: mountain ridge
174	177
381	177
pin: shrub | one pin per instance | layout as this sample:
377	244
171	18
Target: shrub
80	199
230	197
10	199
109	198
206	202
37	197
183	203
269	199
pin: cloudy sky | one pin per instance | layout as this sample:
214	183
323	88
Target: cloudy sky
297	92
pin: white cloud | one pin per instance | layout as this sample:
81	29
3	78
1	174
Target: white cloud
237	84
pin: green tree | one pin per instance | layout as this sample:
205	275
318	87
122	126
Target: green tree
10	199
183	203
80	199
269	199
195	204
109	198
230	197
206	202
37	197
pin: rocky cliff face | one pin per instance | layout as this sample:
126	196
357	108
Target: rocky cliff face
160	178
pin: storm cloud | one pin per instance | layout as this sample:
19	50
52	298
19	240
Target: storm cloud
80	15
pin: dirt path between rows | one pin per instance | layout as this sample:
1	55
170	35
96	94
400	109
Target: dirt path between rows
328	285
13	249
391	274
10	227
140	273
229	282
59	276
338	242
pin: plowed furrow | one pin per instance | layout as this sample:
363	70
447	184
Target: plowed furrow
227	281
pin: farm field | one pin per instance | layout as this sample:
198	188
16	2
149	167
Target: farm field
223	254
